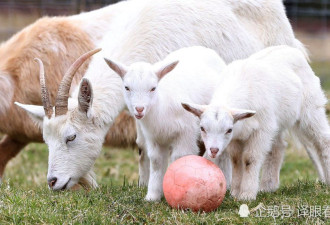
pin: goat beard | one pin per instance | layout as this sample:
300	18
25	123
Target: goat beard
84	184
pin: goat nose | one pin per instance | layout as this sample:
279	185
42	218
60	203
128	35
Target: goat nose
52	182
139	109
214	150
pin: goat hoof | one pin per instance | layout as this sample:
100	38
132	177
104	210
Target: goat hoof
247	196
143	183
268	187
152	198
234	193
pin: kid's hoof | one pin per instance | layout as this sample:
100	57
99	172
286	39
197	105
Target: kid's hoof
152	198
269	186
247	196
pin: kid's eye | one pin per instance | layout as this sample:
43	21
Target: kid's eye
70	138
202	129
126	88
153	89
229	131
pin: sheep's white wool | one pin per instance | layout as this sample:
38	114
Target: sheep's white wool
280	87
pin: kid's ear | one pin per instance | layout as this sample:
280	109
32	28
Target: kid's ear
165	69
240	114
36	112
119	68
195	109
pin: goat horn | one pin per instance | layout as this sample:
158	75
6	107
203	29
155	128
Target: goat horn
61	104
44	92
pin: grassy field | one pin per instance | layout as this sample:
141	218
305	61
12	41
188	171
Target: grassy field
25	198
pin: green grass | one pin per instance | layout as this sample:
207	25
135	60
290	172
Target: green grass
125	204
25	198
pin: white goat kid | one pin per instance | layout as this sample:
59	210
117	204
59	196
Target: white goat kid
280	86
155	101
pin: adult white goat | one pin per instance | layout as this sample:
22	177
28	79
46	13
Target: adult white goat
281	87
153	94
235	29
58	41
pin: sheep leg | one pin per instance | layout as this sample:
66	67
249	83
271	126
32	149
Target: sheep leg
315	126
255	150
183	146
9	148
235	150
270	178
144	168
314	156
226	167
311	150
144	162
158	163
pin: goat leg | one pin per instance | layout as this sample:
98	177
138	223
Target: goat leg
9	148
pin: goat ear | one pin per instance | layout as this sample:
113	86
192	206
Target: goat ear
120	69
85	97
240	114
36	112
197	110
163	70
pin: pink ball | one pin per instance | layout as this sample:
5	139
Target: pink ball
193	182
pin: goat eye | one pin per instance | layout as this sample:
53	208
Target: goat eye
153	89
202	129
229	131
127	89
70	138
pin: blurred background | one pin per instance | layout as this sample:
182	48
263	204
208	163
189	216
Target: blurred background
309	19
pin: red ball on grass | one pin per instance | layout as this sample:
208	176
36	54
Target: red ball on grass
193	182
